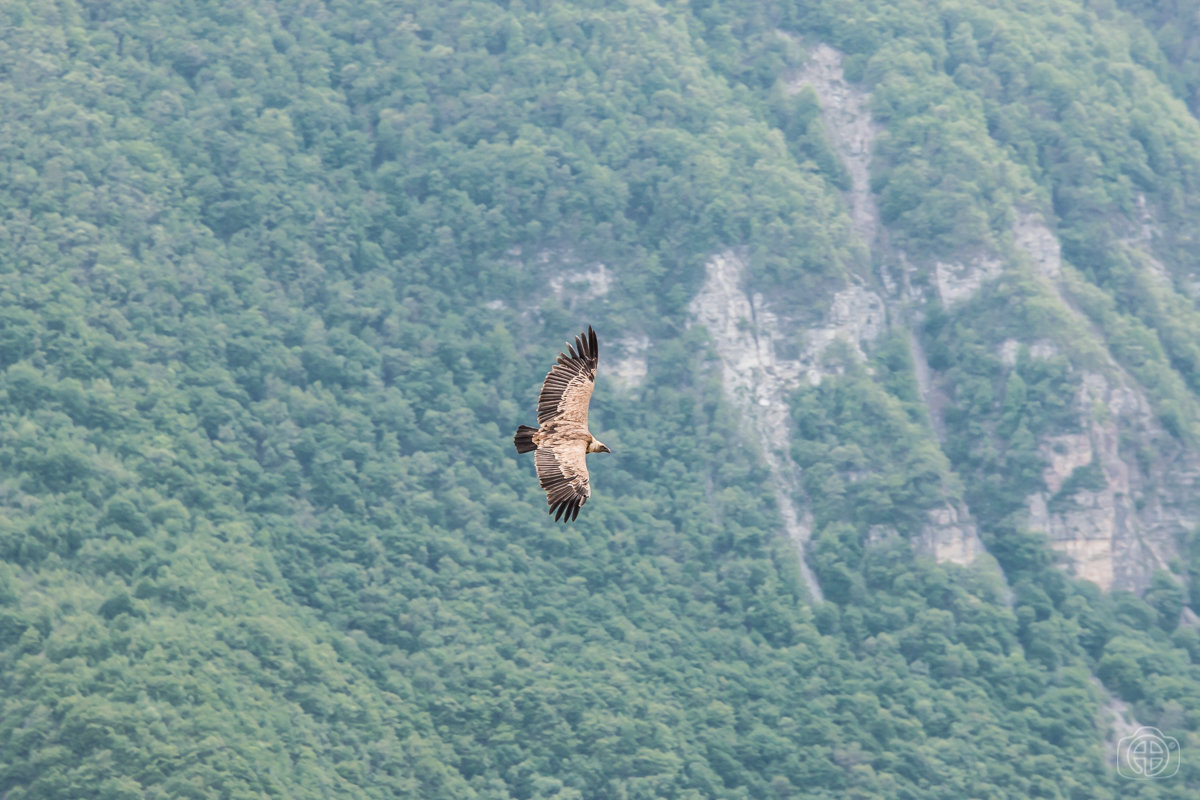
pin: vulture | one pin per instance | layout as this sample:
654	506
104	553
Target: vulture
561	441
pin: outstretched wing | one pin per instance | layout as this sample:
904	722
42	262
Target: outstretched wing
562	471
568	386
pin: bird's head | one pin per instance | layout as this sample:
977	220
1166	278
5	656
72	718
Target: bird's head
597	446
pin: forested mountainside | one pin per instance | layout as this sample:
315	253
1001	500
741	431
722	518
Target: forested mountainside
900	364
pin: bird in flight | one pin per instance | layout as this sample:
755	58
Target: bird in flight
562	440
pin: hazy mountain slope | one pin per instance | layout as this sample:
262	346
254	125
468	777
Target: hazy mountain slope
1091	141
277	281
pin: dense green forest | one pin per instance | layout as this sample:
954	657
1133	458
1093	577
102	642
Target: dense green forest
275	291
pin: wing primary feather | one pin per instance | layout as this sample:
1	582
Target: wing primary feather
568	386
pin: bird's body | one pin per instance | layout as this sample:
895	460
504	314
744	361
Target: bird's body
562	440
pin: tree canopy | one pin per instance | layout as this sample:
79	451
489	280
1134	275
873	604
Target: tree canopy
273	296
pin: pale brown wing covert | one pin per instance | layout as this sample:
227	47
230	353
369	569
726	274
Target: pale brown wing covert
561	464
567	389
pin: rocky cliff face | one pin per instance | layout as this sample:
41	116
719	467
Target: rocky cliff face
1118	530
746	334
1118	492
846	111
1129	522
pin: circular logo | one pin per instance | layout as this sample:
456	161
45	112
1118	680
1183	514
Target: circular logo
1148	754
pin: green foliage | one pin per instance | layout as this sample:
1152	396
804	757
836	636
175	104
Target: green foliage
273	296
866	457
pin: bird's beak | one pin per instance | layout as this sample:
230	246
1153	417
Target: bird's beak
606	449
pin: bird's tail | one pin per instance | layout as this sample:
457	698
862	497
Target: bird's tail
524	439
